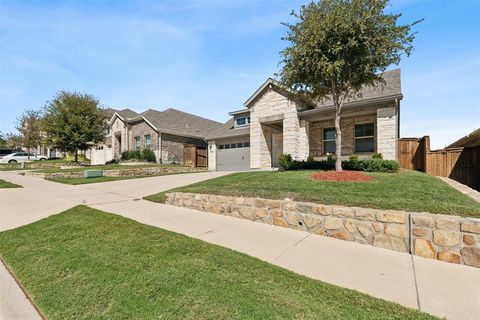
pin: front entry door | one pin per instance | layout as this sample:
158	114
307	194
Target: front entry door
277	148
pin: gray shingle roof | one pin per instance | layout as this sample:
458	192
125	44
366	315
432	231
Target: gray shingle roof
181	123
391	88
125	113
227	130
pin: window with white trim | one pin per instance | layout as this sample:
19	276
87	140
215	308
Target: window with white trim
148	141
329	140
364	137
242	121
137	143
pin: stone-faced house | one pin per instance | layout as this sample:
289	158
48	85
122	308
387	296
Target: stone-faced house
273	123
164	132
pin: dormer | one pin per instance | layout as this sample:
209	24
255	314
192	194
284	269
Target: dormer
241	118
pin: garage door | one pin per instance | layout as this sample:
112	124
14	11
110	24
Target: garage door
233	159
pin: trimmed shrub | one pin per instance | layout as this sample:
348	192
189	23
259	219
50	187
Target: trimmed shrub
285	161
377	156
126	155
373	165
310	158
148	155
353	157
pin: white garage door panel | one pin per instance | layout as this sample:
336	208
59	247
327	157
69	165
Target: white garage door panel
233	159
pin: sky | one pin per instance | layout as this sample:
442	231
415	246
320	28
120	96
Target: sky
208	56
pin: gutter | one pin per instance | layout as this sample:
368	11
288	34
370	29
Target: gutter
353	104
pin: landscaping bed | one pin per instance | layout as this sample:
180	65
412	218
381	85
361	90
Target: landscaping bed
405	190
341	176
85	263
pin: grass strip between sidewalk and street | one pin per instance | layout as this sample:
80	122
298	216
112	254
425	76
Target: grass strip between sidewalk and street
6	185
85	263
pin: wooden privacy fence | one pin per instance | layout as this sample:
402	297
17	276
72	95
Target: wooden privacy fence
194	156
460	164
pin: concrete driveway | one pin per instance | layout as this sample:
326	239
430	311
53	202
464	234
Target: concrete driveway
40	198
443	289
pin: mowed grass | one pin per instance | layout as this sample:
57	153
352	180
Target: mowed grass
405	190
5	185
85	263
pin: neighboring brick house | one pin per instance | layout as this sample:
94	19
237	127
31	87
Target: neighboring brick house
273	122
164	132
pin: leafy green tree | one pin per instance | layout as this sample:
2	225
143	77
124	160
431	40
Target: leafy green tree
13	141
339	46
29	125
73	121
3	140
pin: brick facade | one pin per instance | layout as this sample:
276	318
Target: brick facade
123	138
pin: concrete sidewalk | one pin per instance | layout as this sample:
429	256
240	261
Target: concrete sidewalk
442	289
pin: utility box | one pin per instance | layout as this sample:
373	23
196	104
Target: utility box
92	173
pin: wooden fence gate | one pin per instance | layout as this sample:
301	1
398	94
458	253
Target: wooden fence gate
460	164
194	156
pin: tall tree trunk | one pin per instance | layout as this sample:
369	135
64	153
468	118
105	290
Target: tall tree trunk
338	137
76	155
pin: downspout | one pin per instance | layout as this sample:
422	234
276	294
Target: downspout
159	146
397	106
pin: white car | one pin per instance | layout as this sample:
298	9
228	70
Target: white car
21	157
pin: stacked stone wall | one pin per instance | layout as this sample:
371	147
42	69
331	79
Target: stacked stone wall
448	238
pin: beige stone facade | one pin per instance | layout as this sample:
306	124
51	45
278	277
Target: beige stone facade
447	238
274	113
278	127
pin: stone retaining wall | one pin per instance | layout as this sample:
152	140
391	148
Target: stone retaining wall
447	238
127	172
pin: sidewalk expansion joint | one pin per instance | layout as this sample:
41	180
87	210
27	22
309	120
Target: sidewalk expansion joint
289	247
416	283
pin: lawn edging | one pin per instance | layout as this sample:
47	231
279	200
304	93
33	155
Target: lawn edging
127	172
447	238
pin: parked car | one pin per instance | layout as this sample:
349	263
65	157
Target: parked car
21	157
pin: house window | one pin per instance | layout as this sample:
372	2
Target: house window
148	141
246	144
243	121
364	137
221	146
329	140
137	143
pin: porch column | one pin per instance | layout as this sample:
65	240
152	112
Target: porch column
303	144
387	132
212	155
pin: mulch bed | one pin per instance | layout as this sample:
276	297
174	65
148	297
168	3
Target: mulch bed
341	176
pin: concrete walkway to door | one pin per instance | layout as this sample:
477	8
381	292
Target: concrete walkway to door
442	289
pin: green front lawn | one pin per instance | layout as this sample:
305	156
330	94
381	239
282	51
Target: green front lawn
405	190
85	263
5	184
